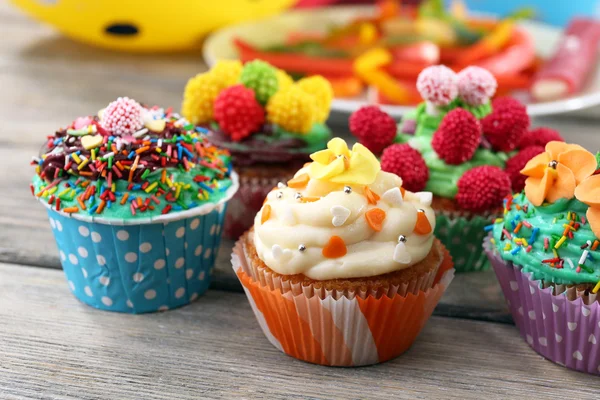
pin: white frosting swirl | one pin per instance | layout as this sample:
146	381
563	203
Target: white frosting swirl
293	223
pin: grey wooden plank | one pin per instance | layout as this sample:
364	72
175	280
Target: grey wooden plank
54	347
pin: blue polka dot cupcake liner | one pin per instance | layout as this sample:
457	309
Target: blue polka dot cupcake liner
131	267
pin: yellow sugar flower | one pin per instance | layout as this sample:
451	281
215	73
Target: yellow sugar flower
338	164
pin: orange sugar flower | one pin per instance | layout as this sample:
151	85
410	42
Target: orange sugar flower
554	174
588	192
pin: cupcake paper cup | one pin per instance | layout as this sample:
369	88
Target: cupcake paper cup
352	329
462	235
142	265
555	321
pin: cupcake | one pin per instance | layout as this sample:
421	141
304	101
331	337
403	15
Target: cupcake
462	147
269	124
136	198
342	267
545	252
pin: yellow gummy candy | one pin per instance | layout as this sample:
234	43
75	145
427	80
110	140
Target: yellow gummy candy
202	90
284	81
227	72
321	89
292	109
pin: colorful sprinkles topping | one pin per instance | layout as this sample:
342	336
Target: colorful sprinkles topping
563	244
116	161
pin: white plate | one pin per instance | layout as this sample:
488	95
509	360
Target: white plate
274	30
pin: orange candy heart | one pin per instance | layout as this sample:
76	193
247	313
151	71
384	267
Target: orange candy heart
266	214
375	218
335	248
422	227
298	182
371	196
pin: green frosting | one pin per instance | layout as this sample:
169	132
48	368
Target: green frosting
548	222
443	177
188	198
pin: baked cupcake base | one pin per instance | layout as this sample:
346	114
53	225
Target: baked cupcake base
349	322
561	323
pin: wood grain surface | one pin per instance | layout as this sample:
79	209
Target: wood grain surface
48	80
52	346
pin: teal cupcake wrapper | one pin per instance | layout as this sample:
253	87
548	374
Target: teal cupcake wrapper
462	235
138	268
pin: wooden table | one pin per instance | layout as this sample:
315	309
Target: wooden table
52	346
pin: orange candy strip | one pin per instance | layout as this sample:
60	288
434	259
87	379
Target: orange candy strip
371	196
375	218
335	248
298	182
309	199
266	214
422	227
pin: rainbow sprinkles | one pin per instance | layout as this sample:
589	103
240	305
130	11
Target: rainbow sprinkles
551	229
130	163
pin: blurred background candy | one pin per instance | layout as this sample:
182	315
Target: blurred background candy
146	25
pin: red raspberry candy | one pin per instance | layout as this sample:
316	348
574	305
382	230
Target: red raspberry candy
539	137
408	164
457	137
516	163
482	189
122	117
507	123
374	128
238	113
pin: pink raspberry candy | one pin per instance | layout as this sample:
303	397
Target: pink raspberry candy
476	85
437	85
122	117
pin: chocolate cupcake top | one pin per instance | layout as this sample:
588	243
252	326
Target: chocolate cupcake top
458	144
342	217
552	228
258	113
130	163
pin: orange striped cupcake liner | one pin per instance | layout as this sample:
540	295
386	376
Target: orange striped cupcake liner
341	329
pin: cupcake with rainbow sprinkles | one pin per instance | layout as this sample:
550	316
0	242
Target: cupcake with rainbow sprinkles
136	198
546	254
342	267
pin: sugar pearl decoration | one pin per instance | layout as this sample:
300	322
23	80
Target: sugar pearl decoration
279	195
402	239
301	248
347	189
123	116
298	196
281	185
